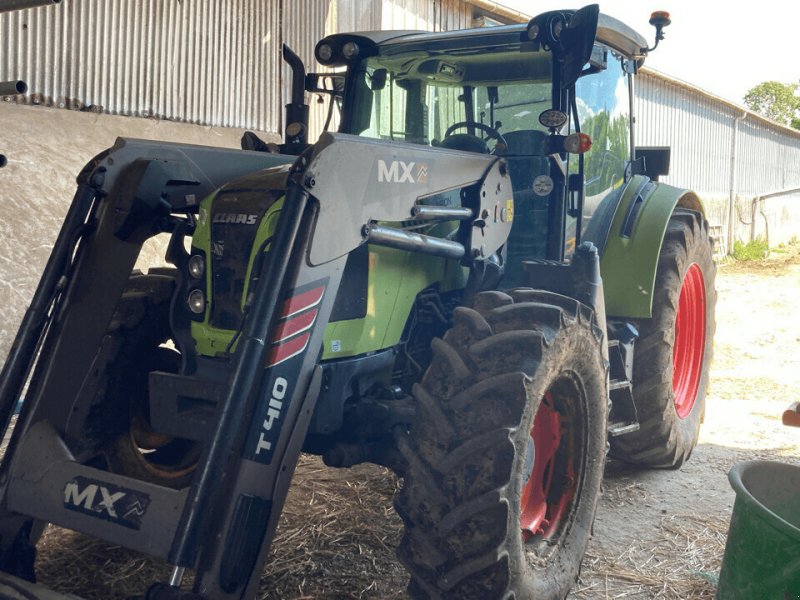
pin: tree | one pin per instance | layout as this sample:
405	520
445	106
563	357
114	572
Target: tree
776	101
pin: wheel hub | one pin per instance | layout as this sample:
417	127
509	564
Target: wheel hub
690	341
547	492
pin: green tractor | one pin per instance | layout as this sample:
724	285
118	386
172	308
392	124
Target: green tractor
477	281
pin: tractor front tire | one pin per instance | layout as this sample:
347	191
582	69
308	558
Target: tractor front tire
139	330
505	455
673	354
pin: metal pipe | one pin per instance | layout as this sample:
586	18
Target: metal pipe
13	88
297	111
298	74
734	182
412	242
754	207
9	5
438	213
774	193
497	9
632	116
176	577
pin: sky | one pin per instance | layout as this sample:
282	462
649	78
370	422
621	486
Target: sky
714	45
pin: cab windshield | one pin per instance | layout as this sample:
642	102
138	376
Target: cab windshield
423	97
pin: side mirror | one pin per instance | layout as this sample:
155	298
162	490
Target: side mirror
578	42
655	159
378	80
325	83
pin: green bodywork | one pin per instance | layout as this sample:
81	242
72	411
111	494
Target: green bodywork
211	340
397	108
628	263
395	279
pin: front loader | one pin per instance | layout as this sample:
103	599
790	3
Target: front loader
477	281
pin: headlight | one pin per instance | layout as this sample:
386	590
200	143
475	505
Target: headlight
324	53
350	50
197	302
197	266
553	119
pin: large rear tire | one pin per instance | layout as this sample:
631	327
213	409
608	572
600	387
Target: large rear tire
506	452
674	351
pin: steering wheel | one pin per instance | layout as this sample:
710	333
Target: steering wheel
490	131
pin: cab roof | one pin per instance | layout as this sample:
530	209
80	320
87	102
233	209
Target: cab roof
610	31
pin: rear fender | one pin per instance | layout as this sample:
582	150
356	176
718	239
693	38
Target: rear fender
628	228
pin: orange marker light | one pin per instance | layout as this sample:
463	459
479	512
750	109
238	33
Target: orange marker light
577	143
660	18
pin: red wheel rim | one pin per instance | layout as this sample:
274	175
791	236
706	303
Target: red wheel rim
690	341
547	493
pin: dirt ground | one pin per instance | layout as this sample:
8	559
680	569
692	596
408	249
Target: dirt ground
658	534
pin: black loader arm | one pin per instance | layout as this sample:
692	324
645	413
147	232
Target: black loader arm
124	194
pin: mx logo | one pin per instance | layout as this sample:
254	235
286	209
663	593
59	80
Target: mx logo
399	171
105	501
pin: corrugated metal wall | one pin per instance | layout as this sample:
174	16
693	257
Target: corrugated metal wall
194	61
452	14
356	15
407	14
700	129
426	15
211	62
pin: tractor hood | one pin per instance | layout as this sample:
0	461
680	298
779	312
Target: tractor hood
237	221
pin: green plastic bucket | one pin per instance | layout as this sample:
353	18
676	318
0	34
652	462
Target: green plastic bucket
762	554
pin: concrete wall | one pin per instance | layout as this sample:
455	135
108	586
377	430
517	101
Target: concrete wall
46	148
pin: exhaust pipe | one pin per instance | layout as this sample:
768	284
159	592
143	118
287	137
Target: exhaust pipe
296	129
